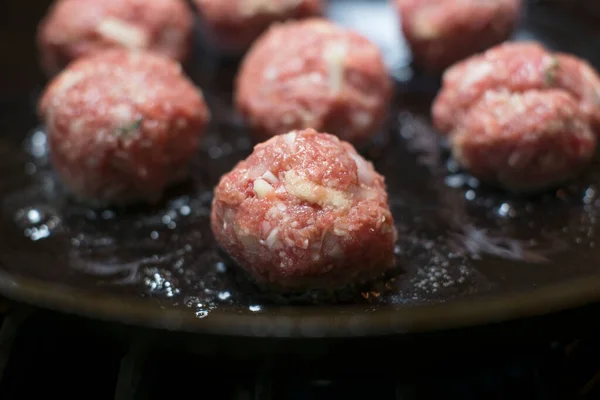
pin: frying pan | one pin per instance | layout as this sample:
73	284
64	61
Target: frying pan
467	254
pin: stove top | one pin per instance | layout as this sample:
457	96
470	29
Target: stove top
71	357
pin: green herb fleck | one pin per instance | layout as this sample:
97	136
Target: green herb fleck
550	76
127	130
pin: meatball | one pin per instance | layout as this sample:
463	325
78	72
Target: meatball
305	211
234	24
122	125
76	28
515	67
313	74
524	141
441	32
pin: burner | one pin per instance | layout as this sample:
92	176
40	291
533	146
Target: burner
66	356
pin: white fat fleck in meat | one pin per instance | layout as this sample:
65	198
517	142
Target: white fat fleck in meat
380	221
303	244
256	171
240	230
272	213
340	231
311	192
135	57
284	261
365	193
296	66
315	249
423	26
262	188
123	33
271	240
122	113
518	103
315	77
335	57
476	72
265	227
227	218
365	174
76	126
331	246
323	27
290	139
270	177
270	73
181	123
67	80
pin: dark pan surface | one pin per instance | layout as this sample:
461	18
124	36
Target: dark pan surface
466	254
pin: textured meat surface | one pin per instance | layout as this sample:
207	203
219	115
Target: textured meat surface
305	211
313	74
442	32
122	125
234	24
524	141
515	67
76	28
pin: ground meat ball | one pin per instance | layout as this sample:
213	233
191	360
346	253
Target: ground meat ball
313	74
442	32
122	125
76	28
234	24
515	67
304	211
524	141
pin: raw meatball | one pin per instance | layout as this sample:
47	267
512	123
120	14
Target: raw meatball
305	211
524	141
313	74
122	126
516	67
442	32
76	28
233	25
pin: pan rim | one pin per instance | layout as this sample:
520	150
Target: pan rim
306	322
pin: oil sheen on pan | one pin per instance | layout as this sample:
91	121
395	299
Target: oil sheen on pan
457	238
